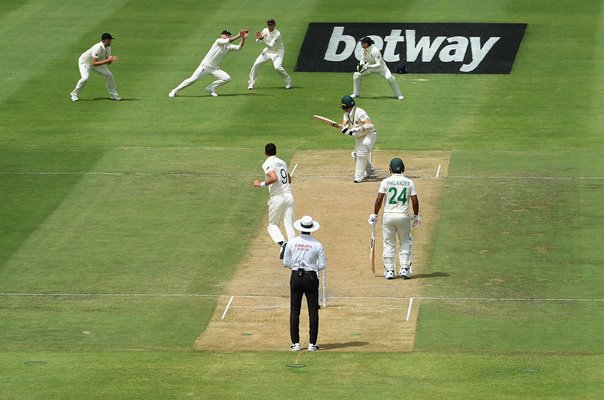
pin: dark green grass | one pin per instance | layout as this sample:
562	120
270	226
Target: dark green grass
121	222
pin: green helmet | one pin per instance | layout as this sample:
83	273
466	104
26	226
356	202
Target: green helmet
347	102
397	166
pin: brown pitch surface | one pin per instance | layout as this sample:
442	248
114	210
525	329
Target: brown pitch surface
364	312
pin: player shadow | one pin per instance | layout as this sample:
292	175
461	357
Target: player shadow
431	275
342	345
108	99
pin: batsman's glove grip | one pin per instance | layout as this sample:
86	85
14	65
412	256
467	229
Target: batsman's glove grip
345	131
372	219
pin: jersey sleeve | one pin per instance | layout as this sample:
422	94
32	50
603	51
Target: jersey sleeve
382	188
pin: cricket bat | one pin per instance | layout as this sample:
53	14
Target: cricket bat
372	249
327	121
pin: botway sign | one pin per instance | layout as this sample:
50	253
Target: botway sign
422	47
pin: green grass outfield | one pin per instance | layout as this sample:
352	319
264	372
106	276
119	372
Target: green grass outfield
121	222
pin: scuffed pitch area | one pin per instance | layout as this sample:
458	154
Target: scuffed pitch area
364	312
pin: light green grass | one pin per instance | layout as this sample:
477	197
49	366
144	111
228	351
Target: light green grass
120	223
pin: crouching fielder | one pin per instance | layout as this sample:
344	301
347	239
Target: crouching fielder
373	63
395	192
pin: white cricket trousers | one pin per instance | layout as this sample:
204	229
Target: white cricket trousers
385	72
362	149
395	229
99	69
264	57
222	78
281	208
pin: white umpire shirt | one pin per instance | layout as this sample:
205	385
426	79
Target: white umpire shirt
304	252
98	51
217	52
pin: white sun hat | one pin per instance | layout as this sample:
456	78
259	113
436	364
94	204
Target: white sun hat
306	224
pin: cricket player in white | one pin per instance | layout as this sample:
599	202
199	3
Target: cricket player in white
273	51
281	198
373	63
210	65
397	190
96	59
357	123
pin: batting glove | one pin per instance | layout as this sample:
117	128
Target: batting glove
353	131
344	131
417	221
372	219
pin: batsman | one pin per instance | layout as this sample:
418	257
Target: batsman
395	192
357	123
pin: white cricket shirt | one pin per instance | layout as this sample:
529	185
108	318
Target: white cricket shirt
372	56
397	189
98	51
272	40
281	186
217	52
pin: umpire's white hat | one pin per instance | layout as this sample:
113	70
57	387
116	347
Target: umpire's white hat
306	224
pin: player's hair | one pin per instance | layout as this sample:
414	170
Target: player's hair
270	149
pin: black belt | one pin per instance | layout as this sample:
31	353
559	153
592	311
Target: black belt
301	271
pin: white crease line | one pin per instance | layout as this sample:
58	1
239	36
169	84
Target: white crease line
409	309
438	171
227	307
294	170
393	298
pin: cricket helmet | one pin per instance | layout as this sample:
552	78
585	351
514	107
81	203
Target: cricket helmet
347	102
367	40
397	166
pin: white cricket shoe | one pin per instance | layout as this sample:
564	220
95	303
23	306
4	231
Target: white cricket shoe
389	274
116	98
401	97
211	92
74	97
405	273
296	347
313	347
288	83
251	86
354	96
172	94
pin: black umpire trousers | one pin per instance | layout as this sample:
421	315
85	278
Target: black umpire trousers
306	284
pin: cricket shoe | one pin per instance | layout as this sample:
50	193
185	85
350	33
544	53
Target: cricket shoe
389	274
115	98
288	83
313	347
282	251
359	180
295	347
405	273
211	92
401	97
251	86
74	97
354	96
172	93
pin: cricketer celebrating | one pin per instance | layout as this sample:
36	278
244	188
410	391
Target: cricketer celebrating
397	190
357	123
281	198
373	63
210	65
273	51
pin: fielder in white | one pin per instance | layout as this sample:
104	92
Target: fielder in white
397	190
357	123
281	198
96	59
373	63
210	65
273	51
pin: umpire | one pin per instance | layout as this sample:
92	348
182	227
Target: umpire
304	255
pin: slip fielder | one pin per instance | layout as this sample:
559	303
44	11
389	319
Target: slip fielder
373	63
273	51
